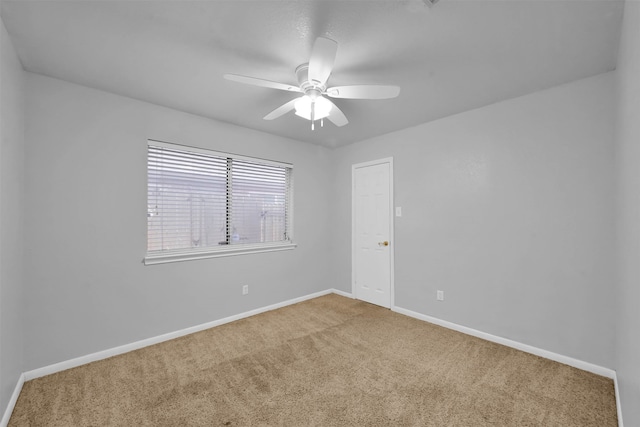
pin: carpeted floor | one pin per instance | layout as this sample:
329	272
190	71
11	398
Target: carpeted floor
330	361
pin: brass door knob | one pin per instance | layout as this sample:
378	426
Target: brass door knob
385	243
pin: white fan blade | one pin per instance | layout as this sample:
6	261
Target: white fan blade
363	92
336	116
261	82
283	109
323	55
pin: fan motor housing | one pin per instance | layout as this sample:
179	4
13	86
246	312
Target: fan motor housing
309	88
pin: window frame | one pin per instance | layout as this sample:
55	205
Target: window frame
189	254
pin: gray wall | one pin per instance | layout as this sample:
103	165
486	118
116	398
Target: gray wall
628	216
509	210
11	209
86	288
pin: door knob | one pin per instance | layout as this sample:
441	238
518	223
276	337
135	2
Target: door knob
385	243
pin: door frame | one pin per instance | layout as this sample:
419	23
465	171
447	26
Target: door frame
389	161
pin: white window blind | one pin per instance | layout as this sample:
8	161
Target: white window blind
200	201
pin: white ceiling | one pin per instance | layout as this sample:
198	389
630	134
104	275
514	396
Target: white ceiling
452	57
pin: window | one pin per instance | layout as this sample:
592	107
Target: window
202	204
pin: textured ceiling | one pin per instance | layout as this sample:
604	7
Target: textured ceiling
449	58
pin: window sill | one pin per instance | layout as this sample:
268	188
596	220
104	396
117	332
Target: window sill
177	256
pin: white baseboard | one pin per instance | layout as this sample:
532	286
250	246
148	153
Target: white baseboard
342	293
12	402
618	405
82	360
585	366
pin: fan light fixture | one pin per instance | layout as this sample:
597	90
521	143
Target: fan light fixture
321	108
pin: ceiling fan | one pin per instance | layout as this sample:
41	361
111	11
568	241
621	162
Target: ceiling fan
312	82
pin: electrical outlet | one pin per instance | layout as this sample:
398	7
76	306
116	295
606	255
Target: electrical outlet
440	295
398	211
245	289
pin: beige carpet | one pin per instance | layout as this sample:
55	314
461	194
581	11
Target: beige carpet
330	361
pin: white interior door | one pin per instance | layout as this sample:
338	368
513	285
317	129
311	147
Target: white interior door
373	232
